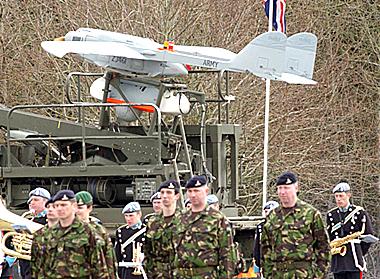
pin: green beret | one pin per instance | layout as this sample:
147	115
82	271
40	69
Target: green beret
83	197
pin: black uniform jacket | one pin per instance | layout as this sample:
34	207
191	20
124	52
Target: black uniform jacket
124	233
341	224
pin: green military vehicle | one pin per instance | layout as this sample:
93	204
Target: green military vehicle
91	146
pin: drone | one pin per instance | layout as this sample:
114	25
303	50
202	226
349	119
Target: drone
271	55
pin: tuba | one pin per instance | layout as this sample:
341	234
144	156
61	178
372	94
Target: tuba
22	241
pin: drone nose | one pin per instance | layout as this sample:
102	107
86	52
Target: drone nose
59	39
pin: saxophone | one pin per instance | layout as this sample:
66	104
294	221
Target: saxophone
338	246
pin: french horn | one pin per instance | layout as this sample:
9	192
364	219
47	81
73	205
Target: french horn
22	241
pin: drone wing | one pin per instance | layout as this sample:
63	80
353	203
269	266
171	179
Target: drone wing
61	48
212	52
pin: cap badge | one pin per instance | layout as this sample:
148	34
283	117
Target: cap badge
198	183
65	198
171	186
288	181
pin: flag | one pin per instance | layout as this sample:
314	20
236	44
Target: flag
279	22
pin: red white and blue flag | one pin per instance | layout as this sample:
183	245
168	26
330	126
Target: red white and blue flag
279	6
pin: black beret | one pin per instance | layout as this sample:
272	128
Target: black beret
286	178
49	201
170	184
64	195
196	181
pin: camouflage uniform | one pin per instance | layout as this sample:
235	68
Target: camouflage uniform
37	252
73	252
204	246
108	251
295	244
159	247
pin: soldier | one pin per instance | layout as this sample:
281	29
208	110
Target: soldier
213	201
85	206
347	220
269	205
159	249
155	199
156	202
204	244
294	241
128	244
37	200
187	204
39	245
72	249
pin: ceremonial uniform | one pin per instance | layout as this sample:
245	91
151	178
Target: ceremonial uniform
25	268
159	246
204	241
343	222
129	244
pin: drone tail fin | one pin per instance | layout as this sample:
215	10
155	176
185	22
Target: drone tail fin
264	56
299	59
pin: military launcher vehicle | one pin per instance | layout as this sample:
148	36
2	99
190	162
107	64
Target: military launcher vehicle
122	151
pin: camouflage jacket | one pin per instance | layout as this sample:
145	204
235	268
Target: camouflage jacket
73	252
159	246
108	251
295	243
204	246
37	251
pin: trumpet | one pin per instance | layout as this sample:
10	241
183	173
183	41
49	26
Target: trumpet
137	257
22	242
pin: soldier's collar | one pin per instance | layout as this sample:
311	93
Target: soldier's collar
136	226
41	214
345	209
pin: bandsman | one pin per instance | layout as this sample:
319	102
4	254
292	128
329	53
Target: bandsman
159	246
213	201
85	207
129	243
156	202
204	242
36	202
350	222
294	242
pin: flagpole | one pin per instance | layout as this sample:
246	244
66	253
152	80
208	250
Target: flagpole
266	117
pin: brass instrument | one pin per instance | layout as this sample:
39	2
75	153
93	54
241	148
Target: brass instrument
137	257
338	246
28	215
22	242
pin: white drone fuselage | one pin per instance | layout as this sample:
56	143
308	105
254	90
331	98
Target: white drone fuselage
270	55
